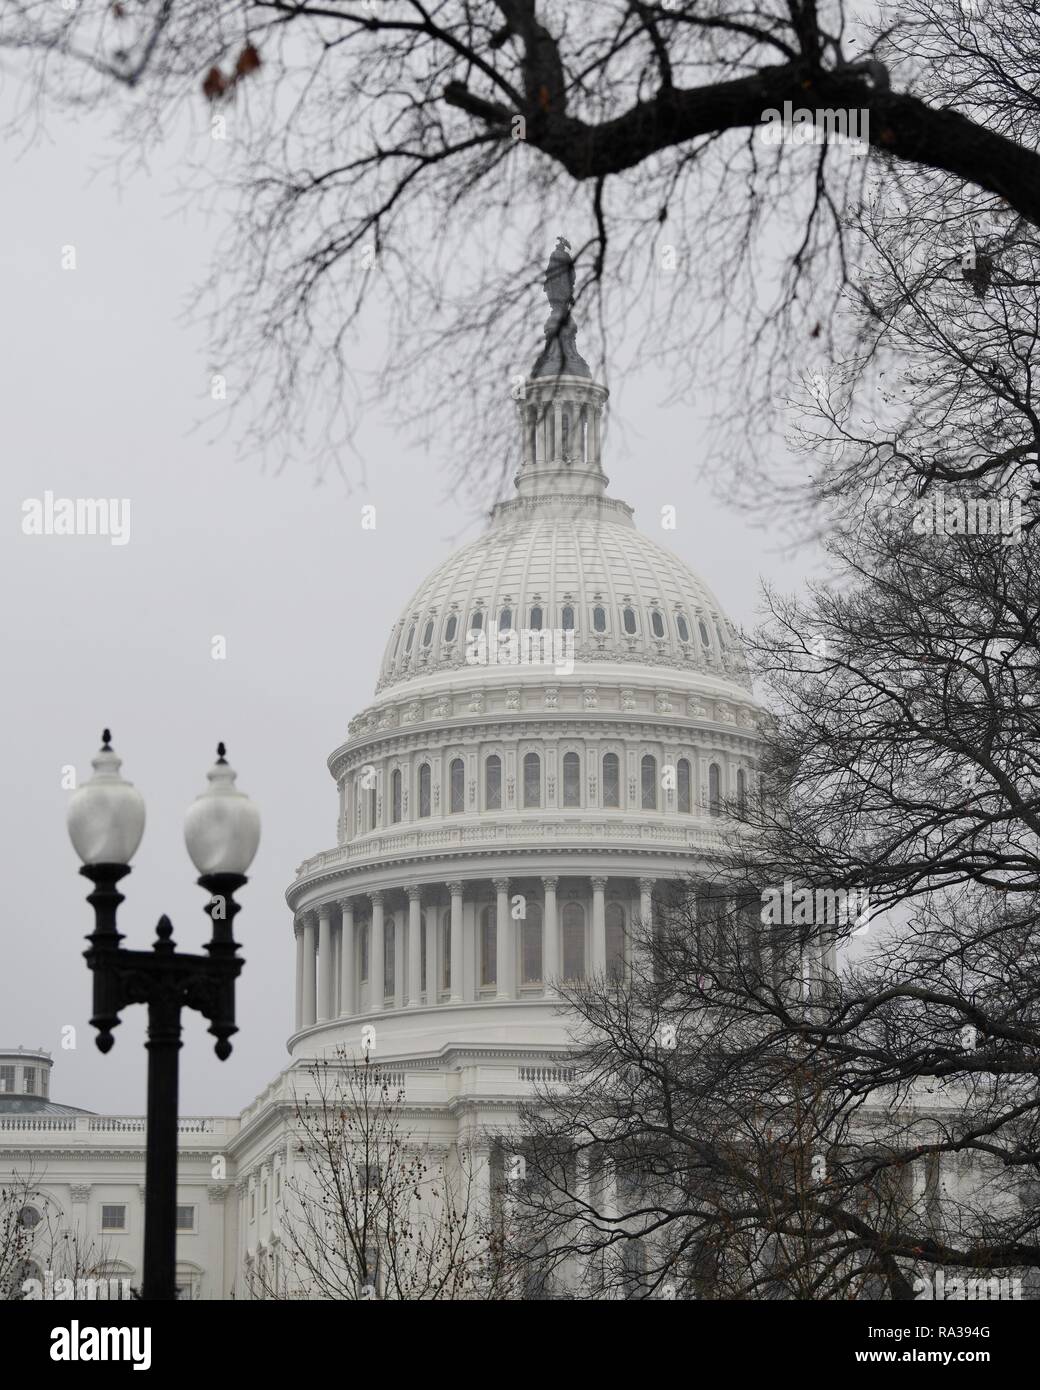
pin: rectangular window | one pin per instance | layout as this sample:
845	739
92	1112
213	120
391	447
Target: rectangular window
363	952
252	1206
29	1080
186	1218
44	1074
113	1218
277	1185
263	1196
389	948
6	1079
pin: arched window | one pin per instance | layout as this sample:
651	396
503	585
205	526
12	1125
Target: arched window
567	618
450	628
411	639
573	933
476	620
615	942
682	785
536	620
683	628
457	777
656	622
714	790
397	644
493	783
427	636
571	779
583	425
389	956
395	795
29	1218
704	633
488	946
611	780
649	782
505	620
424	790
565	432
445	950
741	792
531	945
629	620
373	806
363	952
599	620
532	779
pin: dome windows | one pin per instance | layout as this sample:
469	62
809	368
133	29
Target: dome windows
450	628
493	783
573	933
656	622
682	786
704	632
742	804
714	790
683	628
611	781
427	637
567	618
505	620
476	620
536	620
488	947
411	639
628	620
571	779
532	780
599	620
615	925
531	946
395	795
457	781
424	790
648	776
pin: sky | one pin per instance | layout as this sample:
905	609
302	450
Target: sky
105	382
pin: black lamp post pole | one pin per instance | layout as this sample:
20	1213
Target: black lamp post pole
167	981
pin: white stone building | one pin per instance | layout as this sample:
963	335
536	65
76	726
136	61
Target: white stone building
561	711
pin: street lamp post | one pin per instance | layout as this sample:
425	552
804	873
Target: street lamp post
222	831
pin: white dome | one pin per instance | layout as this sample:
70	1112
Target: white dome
544	564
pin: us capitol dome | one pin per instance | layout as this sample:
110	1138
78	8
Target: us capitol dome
561	717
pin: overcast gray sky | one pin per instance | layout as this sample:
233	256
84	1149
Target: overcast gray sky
103	384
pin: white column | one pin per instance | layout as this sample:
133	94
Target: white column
310	952
433	974
550	933
400	934
414	947
298	933
347	983
375	955
599	927
455	889
325	961
641	959
503	942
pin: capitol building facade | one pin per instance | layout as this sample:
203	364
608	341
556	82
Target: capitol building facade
561	715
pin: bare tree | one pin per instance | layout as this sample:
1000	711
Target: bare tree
418	153
373	1212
